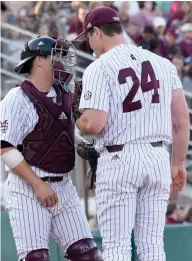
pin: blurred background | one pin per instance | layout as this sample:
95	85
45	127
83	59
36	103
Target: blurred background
164	28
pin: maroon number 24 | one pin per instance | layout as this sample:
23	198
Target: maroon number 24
146	69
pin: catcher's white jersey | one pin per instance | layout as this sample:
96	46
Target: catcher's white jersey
30	221
134	86
19	117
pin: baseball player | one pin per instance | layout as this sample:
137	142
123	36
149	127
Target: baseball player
133	101
37	144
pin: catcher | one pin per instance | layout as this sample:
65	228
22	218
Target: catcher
38	147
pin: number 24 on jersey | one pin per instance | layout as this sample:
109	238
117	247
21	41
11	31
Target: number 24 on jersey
146	69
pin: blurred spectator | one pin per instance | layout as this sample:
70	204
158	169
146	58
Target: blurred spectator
4	13
146	15
182	9
110	4
124	13
3	6
77	25
186	43
133	6
132	31
188	217
174	7
7	14
43	29
167	45
173	215
50	19
159	24
178	61
187	79
95	4
164	6
147	39
188	17
75	29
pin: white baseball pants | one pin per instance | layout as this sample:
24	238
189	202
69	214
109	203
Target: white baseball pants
132	192
32	223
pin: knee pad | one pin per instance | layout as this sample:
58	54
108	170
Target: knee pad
84	250
37	255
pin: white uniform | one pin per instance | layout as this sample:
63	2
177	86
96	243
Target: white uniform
30	221
134	86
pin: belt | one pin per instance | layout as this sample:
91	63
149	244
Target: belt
116	148
52	179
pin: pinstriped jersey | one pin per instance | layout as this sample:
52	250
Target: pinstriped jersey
134	86
18	118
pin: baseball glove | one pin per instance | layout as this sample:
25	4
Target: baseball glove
76	96
88	152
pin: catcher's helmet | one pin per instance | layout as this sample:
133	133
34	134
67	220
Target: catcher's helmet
61	51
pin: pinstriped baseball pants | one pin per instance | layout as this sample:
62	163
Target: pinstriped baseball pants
32	223
132	192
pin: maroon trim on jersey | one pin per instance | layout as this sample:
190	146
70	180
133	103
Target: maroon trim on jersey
50	146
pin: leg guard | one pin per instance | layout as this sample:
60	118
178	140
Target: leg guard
37	255
84	250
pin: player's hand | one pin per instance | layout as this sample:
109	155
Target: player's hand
46	194
179	177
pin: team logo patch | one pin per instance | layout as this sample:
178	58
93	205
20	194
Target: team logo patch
116	18
4	126
87	95
62	116
84	249
89	25
40	43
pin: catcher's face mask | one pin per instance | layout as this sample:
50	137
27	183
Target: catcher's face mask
63	62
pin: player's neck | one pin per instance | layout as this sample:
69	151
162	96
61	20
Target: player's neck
113	41
40	84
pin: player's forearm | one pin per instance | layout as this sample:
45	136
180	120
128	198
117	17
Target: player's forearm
180	143
84	125
90	122
23	170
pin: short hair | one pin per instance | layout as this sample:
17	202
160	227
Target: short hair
149	29
142	4
109	29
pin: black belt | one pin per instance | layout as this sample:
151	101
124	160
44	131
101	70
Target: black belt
116	148
52	179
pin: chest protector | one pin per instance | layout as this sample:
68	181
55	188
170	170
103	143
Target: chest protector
50	146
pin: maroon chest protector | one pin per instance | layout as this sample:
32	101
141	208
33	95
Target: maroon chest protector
50	146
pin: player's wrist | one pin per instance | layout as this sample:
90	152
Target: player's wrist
36	182
177	163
